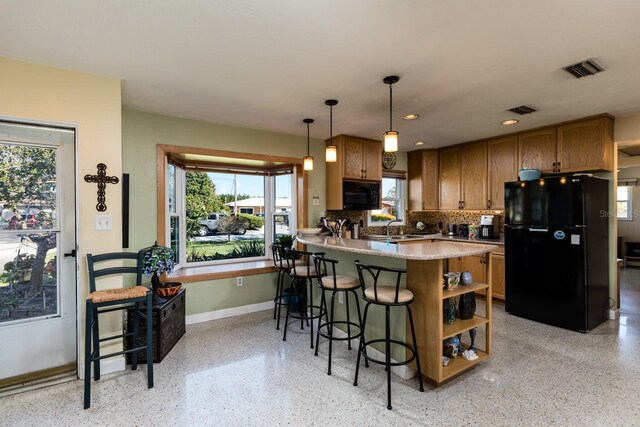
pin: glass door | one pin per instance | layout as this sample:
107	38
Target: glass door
37	229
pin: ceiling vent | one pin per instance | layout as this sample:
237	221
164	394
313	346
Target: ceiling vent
522	110
584	69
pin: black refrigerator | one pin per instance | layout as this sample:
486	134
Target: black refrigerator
557	250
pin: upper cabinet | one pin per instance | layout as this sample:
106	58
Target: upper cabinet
503	167
422	176
359	159
581	146
586	145
463	176
449	172
362	158
538	150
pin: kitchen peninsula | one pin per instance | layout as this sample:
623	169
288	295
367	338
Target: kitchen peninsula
425	262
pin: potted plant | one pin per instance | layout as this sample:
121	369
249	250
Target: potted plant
157	260
286	240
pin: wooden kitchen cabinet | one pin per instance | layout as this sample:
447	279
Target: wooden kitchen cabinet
586	145
497	274
362	158
463	176
358	159
580	146
422	176
503	167
475	264
537	150
449	172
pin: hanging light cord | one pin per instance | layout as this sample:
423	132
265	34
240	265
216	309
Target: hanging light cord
331	125
390	106
307	139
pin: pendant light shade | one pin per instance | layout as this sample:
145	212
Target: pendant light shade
391	136
331	151
308	159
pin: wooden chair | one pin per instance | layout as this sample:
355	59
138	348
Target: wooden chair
109	300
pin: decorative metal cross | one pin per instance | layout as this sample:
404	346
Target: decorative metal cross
102	180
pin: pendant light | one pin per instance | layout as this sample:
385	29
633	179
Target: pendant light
331	151
390	136
308	160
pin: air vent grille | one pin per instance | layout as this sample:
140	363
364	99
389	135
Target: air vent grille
522	110
584	69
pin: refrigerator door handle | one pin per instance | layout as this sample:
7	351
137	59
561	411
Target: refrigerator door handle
542	230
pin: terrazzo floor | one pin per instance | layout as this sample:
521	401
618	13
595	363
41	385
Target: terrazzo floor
238	371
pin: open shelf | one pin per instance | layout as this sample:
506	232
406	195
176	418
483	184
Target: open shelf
458	365
461	326
462	289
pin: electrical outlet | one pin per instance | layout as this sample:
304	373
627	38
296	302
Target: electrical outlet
316	200
340	297
239	281
104	222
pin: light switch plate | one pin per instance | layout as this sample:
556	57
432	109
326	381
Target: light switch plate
316	201
104	222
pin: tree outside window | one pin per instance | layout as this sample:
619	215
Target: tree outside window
624	203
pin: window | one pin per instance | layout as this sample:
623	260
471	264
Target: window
392	202
215	214
624	205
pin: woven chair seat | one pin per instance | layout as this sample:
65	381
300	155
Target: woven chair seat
120	294
387	294
342	282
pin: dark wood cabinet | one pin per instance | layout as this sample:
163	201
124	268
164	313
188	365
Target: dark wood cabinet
168	327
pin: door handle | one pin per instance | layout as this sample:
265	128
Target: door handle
554	167
72	253
558	168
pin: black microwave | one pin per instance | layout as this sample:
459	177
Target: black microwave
360	196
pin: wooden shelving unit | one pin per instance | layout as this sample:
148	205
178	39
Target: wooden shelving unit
424	279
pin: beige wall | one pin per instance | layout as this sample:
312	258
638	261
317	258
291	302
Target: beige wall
92	104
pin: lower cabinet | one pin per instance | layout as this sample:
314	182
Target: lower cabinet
497	275
478	267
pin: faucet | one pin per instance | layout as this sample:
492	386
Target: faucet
391	222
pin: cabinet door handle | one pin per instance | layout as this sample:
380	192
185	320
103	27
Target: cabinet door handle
558	169
554	167
489	203
463	204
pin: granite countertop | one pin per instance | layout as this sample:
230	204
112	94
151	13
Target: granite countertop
427	250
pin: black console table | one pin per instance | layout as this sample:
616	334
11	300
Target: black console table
168	327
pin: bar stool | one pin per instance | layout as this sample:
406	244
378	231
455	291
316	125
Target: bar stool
301	269
387	296
115	299
279	263
335	284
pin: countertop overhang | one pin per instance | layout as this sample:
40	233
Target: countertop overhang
421	250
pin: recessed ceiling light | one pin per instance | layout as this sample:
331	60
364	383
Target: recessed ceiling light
419	143
510	122
411	116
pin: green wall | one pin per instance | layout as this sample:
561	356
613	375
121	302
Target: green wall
141	132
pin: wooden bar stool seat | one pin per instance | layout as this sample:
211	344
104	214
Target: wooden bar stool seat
335	284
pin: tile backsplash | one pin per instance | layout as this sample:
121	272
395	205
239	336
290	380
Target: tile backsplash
432	219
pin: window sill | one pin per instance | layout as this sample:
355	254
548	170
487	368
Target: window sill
222	271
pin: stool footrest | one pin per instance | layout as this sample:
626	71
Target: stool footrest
339	322
118	353
113	337
309	316
382	362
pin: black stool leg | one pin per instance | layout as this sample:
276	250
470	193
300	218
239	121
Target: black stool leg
87	354
388	355
149	341
280	299
310	283
276	300
361	347
136	334
96	343
323	309
346	296
415	347
286	320
333	300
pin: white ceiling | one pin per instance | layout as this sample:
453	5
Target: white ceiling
269	64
